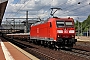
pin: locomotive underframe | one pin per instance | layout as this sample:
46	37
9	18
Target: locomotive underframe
66	42
61	42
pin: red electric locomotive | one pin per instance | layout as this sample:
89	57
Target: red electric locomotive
55	32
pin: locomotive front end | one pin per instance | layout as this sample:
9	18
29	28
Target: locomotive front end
65	32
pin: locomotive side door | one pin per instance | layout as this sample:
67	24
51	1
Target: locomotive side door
50	30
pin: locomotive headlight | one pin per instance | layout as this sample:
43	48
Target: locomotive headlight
59	31
71	31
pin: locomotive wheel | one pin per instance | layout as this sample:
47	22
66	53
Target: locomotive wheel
42	43
45	44
38	42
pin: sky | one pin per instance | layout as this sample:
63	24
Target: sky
77	9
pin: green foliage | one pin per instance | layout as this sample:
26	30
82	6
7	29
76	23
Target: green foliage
85	24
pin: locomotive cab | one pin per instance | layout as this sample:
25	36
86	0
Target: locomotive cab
65	32
65	29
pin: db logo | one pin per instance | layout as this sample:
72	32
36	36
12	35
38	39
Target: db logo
65	31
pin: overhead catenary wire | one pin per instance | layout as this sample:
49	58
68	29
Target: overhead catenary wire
81	12
75	9
74	4
68	6
20	8
14	7
44	7
40	8
52	6
27	3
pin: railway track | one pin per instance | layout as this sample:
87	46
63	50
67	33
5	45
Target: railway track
82	52
41	55
78	52
83	46
49	54
32	50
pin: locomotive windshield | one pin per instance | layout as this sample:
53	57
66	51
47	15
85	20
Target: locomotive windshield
64	24
60	23
68	23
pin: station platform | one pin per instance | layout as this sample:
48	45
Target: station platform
83	38
8	51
